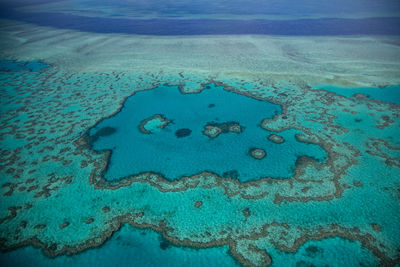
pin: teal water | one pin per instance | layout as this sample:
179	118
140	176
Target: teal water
332	252
15	66
163	152
136	247
127	247
389	94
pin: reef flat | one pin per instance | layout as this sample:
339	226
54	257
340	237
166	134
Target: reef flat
55	193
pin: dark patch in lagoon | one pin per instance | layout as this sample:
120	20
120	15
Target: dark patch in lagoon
231	174
183	132
313	251
105	131
53	247
164	245
211	105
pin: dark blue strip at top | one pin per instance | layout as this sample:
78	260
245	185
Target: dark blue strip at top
307	27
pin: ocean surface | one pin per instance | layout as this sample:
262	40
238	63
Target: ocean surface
289	159
307	18
208	26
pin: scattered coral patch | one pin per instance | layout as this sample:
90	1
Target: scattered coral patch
213	129
276	138
376	227
153	124
246	212
62	226
258	153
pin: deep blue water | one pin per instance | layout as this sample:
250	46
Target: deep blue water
163	152
179	8
129	17
308	27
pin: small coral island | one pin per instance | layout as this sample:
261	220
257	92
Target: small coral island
257	153
153	124
213	129
276	138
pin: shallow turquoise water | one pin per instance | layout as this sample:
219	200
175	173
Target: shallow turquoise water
127	247
327	252
136	247
389	94
162	152
14	66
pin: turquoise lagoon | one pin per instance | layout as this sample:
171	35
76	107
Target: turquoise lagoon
227	155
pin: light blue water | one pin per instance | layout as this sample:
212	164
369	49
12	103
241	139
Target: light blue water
127	247
15	66
389	94
162	152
